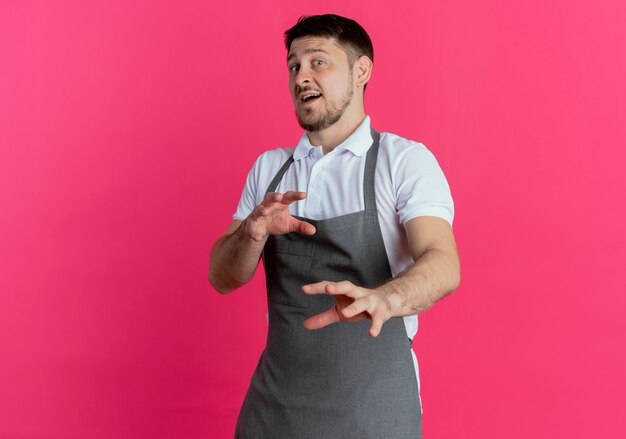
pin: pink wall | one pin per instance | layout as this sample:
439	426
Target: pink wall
126	132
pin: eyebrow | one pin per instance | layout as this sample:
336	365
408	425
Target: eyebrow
306	52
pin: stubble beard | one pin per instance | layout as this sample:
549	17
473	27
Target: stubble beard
330	116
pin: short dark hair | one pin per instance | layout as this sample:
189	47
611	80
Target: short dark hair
348	33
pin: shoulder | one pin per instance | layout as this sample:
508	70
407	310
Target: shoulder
273	158
268	163
397	148
418	183
265	167
402	156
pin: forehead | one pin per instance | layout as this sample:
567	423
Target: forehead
311	44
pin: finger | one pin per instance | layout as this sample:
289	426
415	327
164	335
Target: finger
377	324
333	288
344	287
271	198
323	319
357	307
270	205
316	288
302	227
276	201
291	196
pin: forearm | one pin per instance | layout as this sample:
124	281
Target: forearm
431	277
235	256
234	259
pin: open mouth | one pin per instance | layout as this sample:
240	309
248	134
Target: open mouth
310	97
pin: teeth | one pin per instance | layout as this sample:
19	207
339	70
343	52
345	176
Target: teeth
305	98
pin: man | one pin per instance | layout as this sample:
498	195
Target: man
354	228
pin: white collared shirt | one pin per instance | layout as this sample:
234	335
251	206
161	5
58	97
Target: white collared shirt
408	183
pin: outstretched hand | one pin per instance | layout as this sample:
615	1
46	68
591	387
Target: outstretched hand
272	217
353	304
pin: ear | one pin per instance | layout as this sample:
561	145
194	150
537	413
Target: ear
362	70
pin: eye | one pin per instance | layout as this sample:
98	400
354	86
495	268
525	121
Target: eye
294	68
319	62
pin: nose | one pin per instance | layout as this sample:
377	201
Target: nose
303	76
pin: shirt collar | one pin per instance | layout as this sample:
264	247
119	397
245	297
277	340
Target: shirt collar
357	143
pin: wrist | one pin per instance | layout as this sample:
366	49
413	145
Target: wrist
397	301
250	235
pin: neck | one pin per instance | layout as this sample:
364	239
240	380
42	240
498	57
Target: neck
334	135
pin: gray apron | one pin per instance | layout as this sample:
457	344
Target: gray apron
338	381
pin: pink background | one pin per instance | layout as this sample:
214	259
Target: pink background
126	133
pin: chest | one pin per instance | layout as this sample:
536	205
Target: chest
334	185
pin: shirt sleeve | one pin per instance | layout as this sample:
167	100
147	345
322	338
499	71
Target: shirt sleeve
248	200
421	187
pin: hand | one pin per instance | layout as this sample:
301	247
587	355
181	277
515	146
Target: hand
272	217
353	304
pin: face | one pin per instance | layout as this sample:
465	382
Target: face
320	81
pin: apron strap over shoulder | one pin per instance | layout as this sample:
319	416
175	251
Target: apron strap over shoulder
368	180
369	193
274	183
